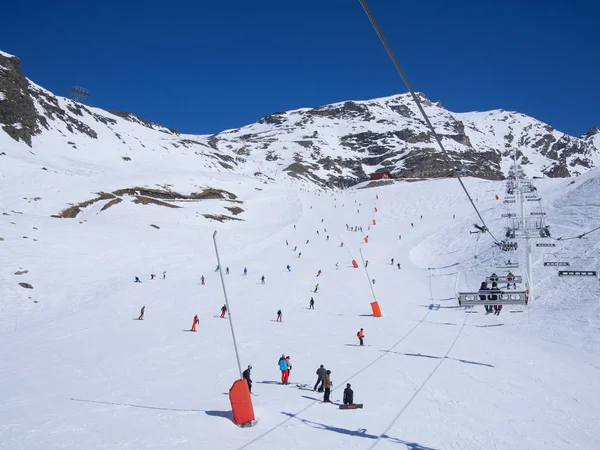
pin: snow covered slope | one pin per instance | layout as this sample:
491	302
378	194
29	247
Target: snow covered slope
78	370
331	145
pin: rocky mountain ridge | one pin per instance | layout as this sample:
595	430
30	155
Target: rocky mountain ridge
330	145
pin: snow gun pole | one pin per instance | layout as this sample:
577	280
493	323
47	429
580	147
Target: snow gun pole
237	355
367	273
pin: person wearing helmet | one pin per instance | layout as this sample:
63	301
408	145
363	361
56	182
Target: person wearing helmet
246	375
348	395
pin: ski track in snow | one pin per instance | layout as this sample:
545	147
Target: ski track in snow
77	369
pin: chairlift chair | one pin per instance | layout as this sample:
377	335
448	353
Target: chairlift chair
487	297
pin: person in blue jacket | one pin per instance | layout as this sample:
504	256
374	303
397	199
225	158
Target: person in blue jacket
283	366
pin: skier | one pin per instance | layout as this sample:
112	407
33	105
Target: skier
327	385
262	280
341	244
307	241
311	304
164	274
316	287
373	280
321	372
348	395
245	271
152	276
327	237
367	263
299	254
398	266
288	268
202	279
399	237
286	242
142	313
392	261
195	323
137	280
484	287
279	316
317	231
337	266
284	369
246	376
319	272
227	271
223	311
217	268
295	248
360	335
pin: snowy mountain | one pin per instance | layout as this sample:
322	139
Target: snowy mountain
338	144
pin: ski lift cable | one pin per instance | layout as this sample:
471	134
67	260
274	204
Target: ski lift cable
418	103
578	236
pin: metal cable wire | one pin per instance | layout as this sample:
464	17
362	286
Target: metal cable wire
418	102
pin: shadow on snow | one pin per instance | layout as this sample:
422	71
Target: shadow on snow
137	406
420	355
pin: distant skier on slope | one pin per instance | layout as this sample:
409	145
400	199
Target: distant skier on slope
262	280
202	279
137	280
223	311
398	266
279	316
195	323
361	335
217	268
289	269
319	272
164	274
227	271
392	263
311	304
316	287
246	376
142	313
245	271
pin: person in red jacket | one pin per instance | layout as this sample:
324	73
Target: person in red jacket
361	336
195	323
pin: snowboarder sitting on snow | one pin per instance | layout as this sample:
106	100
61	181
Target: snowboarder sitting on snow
279	315
246	376
137	280
223	311
321	372
152	276
348	395
142	313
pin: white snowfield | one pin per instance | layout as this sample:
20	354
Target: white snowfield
79	371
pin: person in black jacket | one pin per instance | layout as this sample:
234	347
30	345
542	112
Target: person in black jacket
321	371
246	375
483	296
348	395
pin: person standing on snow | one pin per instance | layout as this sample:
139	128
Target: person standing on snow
223	311
311	304
327	386
319	272
227	271
295	248
392	262
289	269
316	287
195	323
289	367
142	313
348	395
245	271
284	369
360	335
152	276
279	316
164	274
262	280
202	280
337	266
321	372
246	376
217	268
286	242
398	266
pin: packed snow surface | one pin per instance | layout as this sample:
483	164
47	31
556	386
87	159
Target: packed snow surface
78	370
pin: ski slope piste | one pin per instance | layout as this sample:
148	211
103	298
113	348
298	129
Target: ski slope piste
80	370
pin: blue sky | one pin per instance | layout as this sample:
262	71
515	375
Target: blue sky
202	67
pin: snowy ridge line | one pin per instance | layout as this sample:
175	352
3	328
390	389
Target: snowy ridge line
410	400
384	353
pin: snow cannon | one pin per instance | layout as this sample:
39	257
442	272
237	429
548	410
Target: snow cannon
354	264
241	404
376	310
